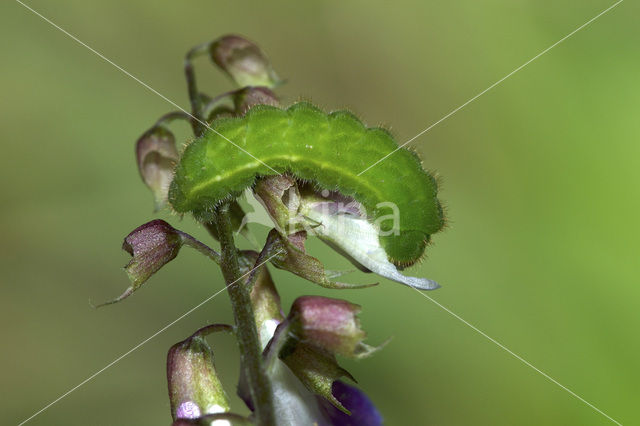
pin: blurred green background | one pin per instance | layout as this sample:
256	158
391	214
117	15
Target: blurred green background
540	179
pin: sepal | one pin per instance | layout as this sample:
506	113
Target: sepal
194	387
292	257
316	369
331	324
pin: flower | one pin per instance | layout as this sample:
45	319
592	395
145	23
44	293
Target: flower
363	412
194	387
152	246
156	154
243	61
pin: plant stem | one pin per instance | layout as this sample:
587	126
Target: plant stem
246	332
197	122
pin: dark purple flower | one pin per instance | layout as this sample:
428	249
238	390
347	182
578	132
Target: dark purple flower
363	412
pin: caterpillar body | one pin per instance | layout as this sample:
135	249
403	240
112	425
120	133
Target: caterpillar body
329	150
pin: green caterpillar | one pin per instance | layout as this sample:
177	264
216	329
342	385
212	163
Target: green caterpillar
327	149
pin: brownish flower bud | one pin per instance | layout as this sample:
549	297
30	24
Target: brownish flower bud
243	61
152	246
194	387
330	324
248	97
157	154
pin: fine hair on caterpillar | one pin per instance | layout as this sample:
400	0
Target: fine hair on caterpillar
326	150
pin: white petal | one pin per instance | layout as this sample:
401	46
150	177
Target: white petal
359	240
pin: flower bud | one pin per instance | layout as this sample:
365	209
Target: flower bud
243	61
156	154
294	404
194	387
317	329
248	97
152	246
330	324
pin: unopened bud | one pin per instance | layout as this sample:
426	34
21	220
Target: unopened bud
248	97
194	387
157	154
245	63
330	324
152	246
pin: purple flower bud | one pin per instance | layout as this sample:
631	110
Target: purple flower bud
248	97
328	323
152	246
363	412
194	387
245	63
157	154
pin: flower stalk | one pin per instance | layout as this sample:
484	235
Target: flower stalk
239	292
246	332
289	370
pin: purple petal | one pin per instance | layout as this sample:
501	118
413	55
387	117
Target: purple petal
363	412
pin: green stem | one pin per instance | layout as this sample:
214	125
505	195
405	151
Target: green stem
246	332
201	247
197	121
